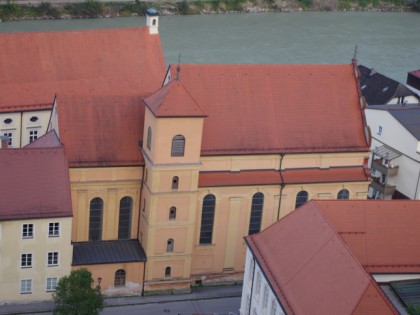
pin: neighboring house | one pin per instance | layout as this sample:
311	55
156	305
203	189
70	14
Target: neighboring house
35	220
413	79
378	89
177	173
335	257
395	161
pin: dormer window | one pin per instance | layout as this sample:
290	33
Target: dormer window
178	145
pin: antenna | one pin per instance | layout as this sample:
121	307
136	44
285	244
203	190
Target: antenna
178	68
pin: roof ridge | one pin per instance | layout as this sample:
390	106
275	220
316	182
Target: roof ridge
76	30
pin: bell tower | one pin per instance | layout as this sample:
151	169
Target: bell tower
171	147
152	20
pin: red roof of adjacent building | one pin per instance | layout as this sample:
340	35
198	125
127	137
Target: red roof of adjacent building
34	183
383	235
101	130
173	100
72	62
271	177
276	108
318	259
49	140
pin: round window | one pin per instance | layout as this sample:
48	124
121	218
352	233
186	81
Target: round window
33	119
8	121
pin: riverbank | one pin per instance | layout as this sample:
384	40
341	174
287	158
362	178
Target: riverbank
30	10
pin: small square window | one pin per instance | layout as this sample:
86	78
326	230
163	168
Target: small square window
28	230
52	284
26	286
26	261
52	259
54	229
33	135
10	136
379	130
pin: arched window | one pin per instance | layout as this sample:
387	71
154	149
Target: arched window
256	213
124	225
95	219
301	198
149	138
119	280
154	22
172	213
343	194
167	272
207	219
170	245
178	146
175	182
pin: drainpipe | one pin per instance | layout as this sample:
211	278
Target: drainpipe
21	130
282	185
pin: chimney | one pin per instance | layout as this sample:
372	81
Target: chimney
4	142
152	20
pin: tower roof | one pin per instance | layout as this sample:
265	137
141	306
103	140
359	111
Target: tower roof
173	100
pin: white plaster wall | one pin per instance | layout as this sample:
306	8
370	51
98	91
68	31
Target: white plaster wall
397	137
253	300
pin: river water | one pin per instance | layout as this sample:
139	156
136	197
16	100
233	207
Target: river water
389	42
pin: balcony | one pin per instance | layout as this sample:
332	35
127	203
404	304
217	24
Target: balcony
383	189
387	171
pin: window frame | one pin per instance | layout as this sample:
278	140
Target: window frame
95	228
26	260
256	215
178	146
300	199
172	213
53	229
168	272
122	277
9	134
207	224
175	183
25	286
29	235
170	245
33	135
343	194
51	286
124	231
54	261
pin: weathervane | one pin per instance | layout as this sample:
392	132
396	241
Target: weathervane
178	68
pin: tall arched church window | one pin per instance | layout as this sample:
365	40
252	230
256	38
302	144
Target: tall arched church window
167	272
343	194
124	224
256	213
170	245
301	198
149	138
178	146
207	219
95	219
119	280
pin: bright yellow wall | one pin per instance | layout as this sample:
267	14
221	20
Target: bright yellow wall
134	277
12	246
110	184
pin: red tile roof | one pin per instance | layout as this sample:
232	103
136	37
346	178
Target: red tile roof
369	236
308	265
101	130
25	108
276	108
332	175
34	183
173	100
72	62
383	235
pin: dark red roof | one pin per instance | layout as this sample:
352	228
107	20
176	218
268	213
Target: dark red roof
276	108
49	140
173	100
332	175
34	183
72	62
101	130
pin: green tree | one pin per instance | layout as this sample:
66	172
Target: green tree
75	295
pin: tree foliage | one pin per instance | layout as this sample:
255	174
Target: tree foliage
75	296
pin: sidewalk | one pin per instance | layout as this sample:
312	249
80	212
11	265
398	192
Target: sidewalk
199	293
